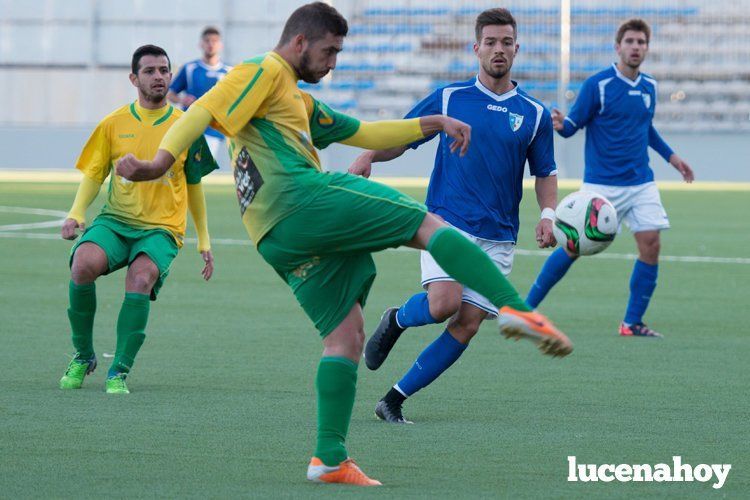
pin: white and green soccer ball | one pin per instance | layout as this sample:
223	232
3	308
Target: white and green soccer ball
585	223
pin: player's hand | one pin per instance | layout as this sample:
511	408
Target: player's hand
557	119
187	100
69	227
545	238
460	132
682	167
129	165
362	165
208	269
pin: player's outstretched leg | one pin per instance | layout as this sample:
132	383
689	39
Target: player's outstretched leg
469	265
430	364
336	385
555	267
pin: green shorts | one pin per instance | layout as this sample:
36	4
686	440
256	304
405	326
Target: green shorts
123	243
323	250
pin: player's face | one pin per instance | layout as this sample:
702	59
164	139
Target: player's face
497	49
319	57
211	45
633	48
153	77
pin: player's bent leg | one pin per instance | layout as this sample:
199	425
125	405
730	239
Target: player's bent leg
336	385
469	265
642	285
132	320
89	261
442	300
432	362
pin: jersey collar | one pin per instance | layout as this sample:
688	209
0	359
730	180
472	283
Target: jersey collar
497	97
284	63
632	83
153	117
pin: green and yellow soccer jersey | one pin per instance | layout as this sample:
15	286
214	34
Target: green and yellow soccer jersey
274	128
160	203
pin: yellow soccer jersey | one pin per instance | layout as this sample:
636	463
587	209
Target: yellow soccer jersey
273	128
160	203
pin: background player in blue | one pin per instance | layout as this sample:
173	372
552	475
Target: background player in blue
617	108
197	77
478	194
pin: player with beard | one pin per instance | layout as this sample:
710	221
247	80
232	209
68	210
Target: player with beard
141	226
318	229
479	194
616	106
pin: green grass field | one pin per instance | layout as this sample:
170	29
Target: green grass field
223	403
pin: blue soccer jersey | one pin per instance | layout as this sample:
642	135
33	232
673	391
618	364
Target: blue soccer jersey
617	113
480	192
196	78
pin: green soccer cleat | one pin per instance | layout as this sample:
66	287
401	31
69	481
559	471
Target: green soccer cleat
116	384
76	372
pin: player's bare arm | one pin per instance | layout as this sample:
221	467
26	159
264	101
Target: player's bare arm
362	165
546	196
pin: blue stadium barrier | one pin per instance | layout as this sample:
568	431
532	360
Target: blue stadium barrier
390	29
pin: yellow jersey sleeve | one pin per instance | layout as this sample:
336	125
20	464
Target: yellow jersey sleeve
236	98
95	161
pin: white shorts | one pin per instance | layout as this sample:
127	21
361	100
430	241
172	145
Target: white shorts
501	253
639	207
214	144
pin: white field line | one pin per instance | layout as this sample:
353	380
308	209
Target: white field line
697	259
11	231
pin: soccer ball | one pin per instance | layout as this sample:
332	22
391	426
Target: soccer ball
585	223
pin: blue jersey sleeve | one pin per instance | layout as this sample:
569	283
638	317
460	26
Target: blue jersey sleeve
541	152
430	105
583	109
180	81
658	144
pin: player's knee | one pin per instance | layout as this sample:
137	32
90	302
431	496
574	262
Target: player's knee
463	329
82	272
142	281
649	249
443	307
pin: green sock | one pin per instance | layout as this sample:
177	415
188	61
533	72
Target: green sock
336	384
131	326
81	315
470	266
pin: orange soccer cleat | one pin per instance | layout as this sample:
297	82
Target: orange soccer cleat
535	327
347	472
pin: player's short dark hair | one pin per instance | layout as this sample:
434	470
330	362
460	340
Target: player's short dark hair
634	24
492	17
147	50
210	30
314	21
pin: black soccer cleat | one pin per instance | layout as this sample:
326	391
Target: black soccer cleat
383	339
390	412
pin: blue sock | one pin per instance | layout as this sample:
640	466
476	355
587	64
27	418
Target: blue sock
555	267
642	286
415	312
434	360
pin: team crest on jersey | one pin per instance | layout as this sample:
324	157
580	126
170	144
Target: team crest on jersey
646	99
515	121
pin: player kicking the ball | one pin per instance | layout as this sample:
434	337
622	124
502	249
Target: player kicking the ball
318	230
